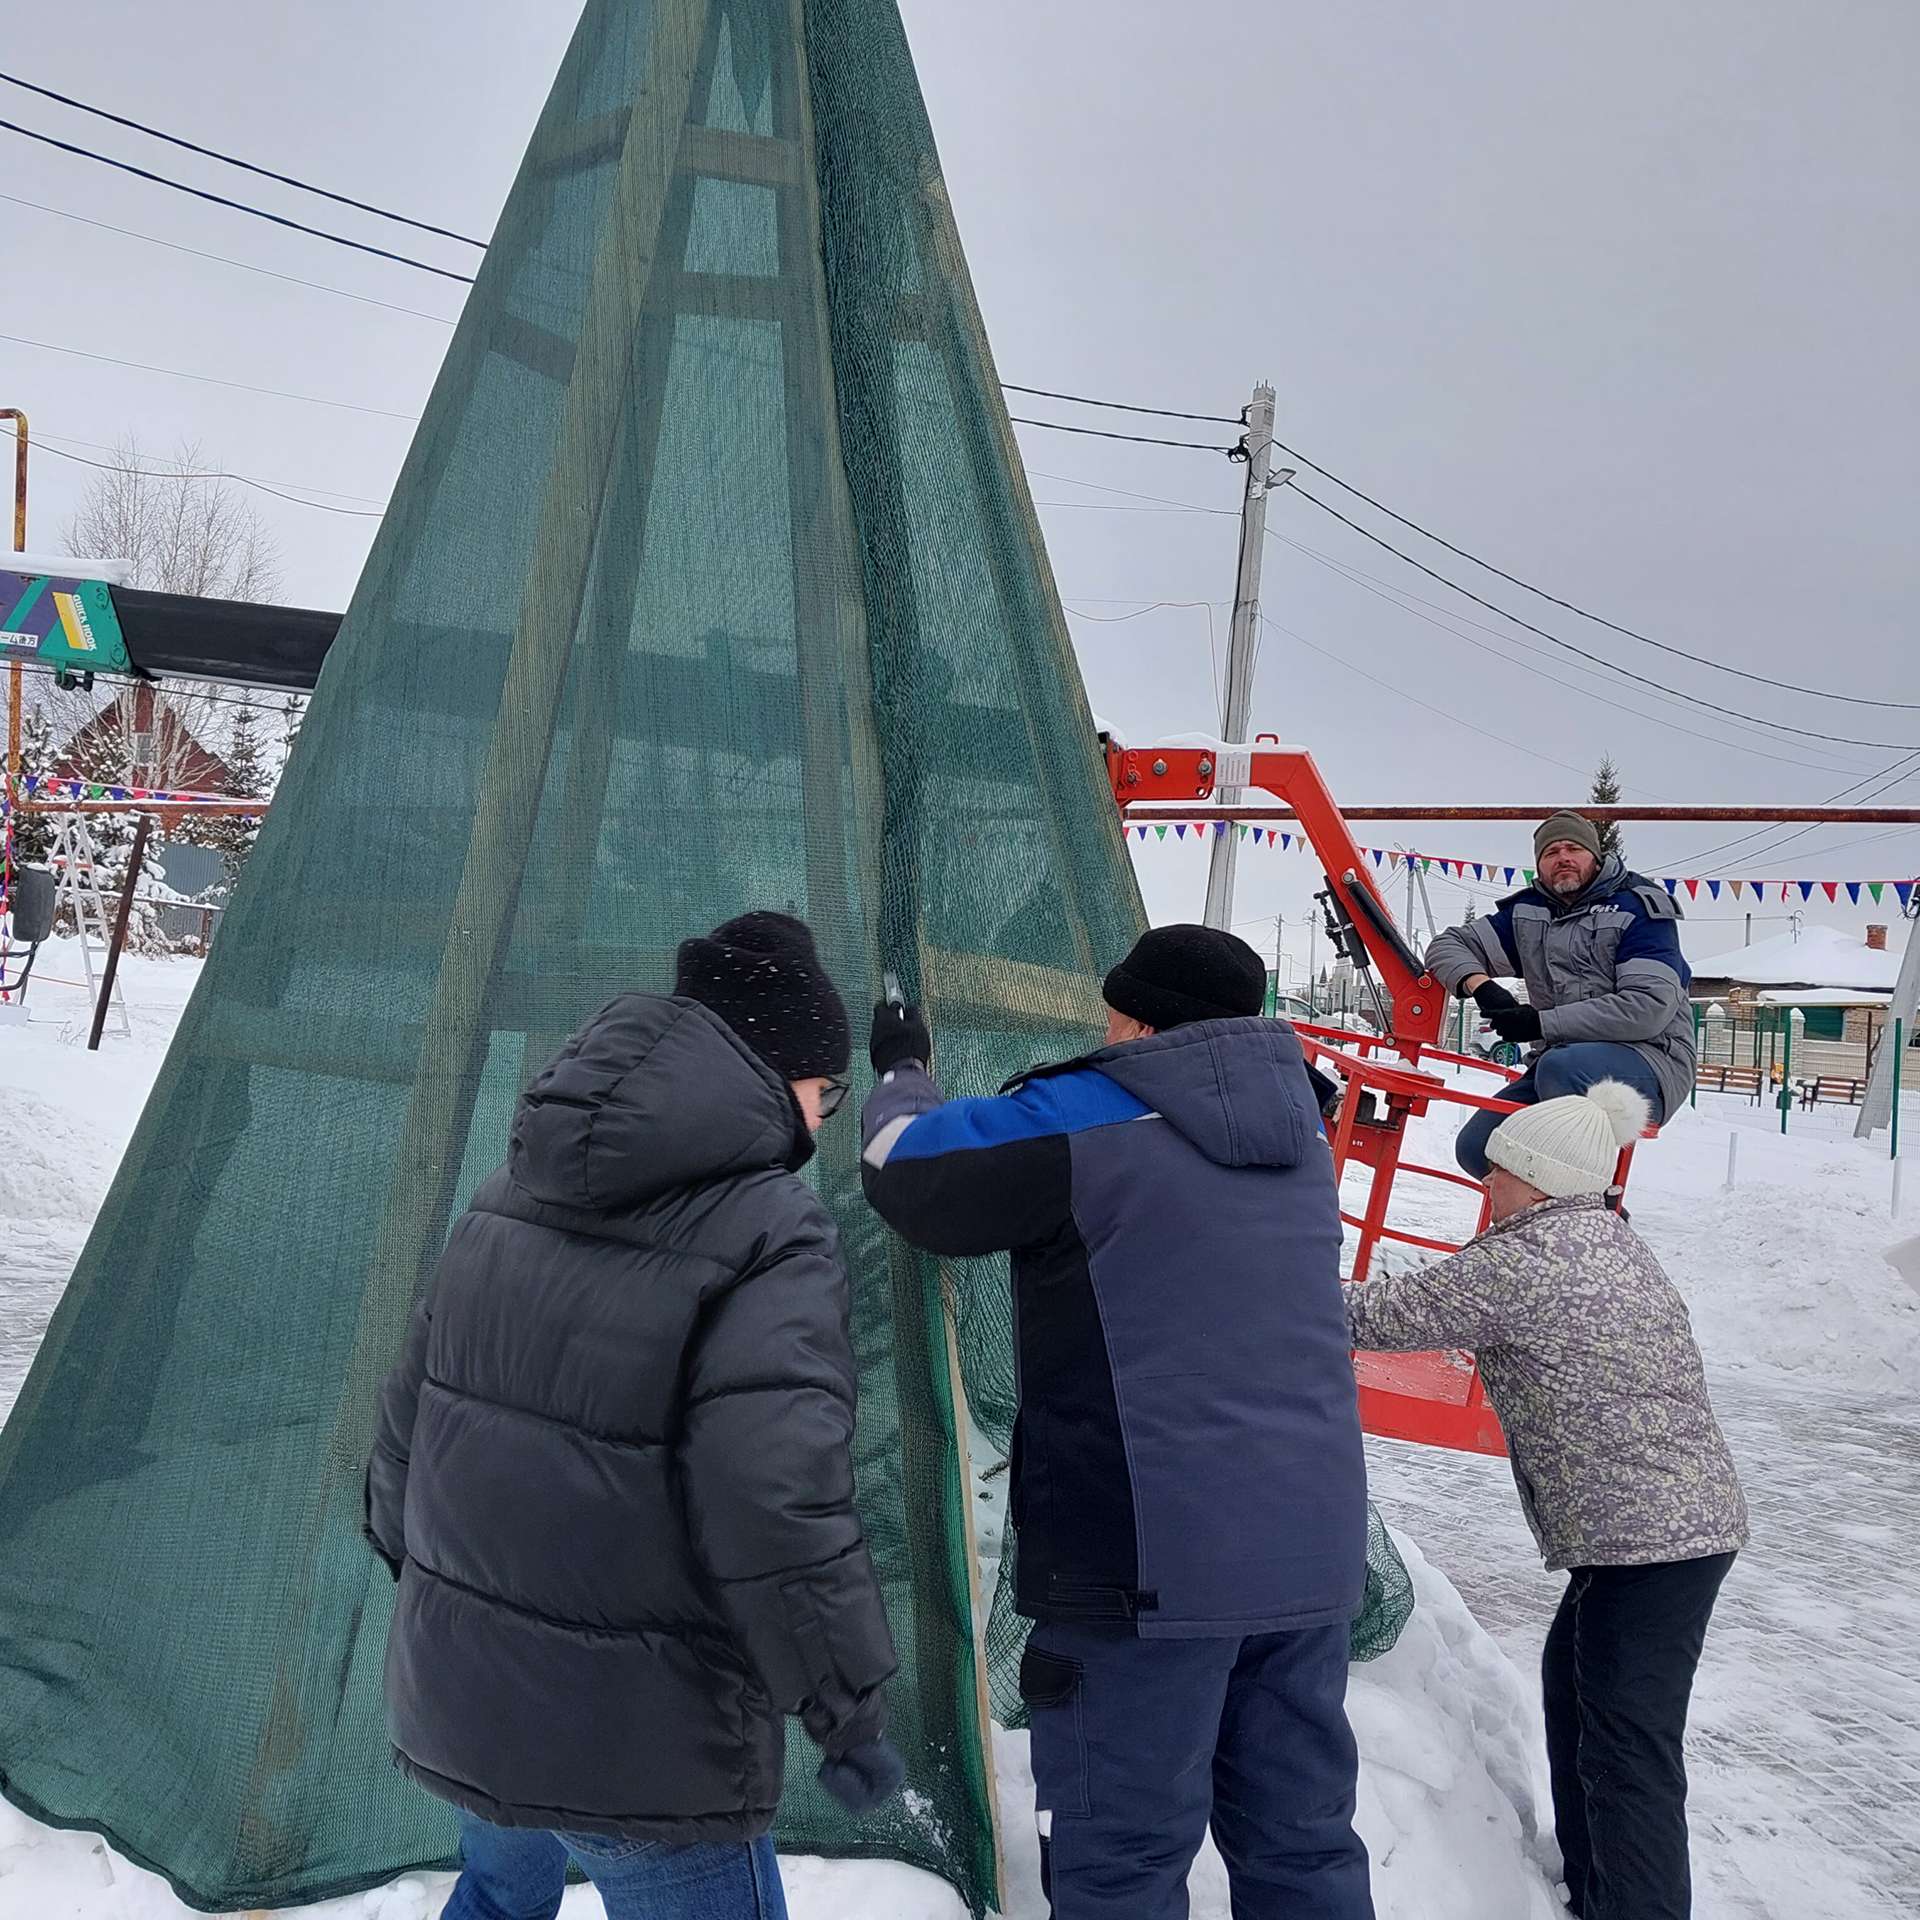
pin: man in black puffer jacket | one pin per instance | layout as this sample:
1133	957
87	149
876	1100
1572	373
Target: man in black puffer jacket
613	1469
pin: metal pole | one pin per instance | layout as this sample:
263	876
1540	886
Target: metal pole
1411	870
1693	1097
1279	951
1313	964
16	701
1733	1156
1786	1070
1426	906
1899	1045
19	420
120	929
1240	643
1261	813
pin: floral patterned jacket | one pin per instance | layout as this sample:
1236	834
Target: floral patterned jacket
1589	1359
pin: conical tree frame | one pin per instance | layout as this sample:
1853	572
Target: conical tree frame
462	865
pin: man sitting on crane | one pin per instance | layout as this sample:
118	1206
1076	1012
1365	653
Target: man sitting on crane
1599	950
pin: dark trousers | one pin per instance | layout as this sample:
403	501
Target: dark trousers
1139	1746
1571	1067
1618	1674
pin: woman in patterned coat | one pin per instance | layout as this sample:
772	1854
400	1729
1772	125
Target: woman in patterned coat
1589	1359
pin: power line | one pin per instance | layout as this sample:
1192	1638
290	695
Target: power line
1408	601
1629	633
237	206
207	379
1532	753
1366	533
246	166
1382	591
129	680
246	266
240	479
1603	666
1101	433
299	486
1185	506
1121	406
1898	769
1146	607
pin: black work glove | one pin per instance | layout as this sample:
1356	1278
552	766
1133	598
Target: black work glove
900	1038
865	1777
1516	1023
1491	998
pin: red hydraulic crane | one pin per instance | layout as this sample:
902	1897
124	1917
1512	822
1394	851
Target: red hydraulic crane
1388	1077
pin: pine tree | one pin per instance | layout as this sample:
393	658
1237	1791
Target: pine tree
247	776
33	832
1606	793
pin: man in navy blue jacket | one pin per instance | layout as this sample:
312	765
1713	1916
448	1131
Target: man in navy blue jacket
1187	1478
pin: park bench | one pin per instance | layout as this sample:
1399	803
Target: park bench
1716	1077
1841	1092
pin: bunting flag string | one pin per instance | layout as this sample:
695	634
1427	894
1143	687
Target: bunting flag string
41	788
1396	859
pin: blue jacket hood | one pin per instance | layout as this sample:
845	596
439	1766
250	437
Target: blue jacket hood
1237	1089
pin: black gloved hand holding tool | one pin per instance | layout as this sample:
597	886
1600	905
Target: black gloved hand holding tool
900	1037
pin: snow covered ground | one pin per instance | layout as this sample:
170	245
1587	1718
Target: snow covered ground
1809	1729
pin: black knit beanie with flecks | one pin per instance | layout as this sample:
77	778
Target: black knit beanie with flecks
762	975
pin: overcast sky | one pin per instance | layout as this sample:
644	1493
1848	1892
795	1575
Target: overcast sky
1623	298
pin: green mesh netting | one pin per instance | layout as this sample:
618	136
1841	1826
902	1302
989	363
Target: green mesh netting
711	581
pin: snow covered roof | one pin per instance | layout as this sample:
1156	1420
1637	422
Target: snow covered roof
1823	997
1820	957
116	573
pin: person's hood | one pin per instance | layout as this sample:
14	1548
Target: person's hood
652	1094
1237	1089
1611	876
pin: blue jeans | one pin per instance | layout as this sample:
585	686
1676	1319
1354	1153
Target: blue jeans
1571	1067
520	1873
1139	1746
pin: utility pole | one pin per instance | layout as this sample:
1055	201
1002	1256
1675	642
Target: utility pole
1244	636
1407	919
1426	902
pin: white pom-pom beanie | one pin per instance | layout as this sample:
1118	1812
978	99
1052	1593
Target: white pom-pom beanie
1571	1145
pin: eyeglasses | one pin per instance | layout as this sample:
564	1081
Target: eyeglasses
833	1096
